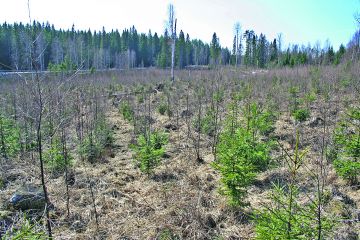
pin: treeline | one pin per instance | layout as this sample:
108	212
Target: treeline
257	51
70	49
100	50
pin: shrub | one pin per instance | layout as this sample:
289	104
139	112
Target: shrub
54	157
167	234
278	223
9	137
242	151
149	150
347	169
260	121
239	160
163	108
103	133
159	139
309	98
24	229
272	224
2	183
94	144
127	111
66	66
301	115
288	218
140	98
207	123
346	149
294	98
89	149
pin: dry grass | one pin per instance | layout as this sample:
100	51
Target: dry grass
181	197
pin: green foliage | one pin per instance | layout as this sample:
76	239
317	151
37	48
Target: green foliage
315	75
89	149
277	223
164	56
2	183
346	149
163	108
287	217
259	120
140	98
310	98
94	144
65	67
103	133
126	111
159	140
9	137
272	224
55	159
207	123
215	49
294	98
243	150
145	50
167	234
346	82
339	54
25	230
149	150
347	169
301	115
92	70
240	157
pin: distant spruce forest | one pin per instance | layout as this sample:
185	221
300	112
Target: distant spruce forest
71	49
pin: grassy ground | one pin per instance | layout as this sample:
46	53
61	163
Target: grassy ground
181	199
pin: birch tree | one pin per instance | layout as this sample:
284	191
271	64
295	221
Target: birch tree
172	30
237	44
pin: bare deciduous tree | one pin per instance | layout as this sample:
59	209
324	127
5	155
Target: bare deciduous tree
172	29
237	29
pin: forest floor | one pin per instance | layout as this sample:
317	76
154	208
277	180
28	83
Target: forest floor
181	199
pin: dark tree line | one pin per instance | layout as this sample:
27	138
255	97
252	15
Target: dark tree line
99	50
70	49
260	52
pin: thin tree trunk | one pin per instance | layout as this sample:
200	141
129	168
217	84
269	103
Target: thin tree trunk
3	146
173	52
94	206
65	155
39	142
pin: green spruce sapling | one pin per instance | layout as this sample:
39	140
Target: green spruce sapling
347	146
149	149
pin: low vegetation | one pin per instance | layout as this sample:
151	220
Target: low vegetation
259	144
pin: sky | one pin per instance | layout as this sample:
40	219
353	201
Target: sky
299	21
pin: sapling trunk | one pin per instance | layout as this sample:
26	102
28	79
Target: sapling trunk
40	153
149	115
2	138
216	122
187	113
198	158
66	162
94	205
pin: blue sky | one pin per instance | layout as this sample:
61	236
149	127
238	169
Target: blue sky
300	21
